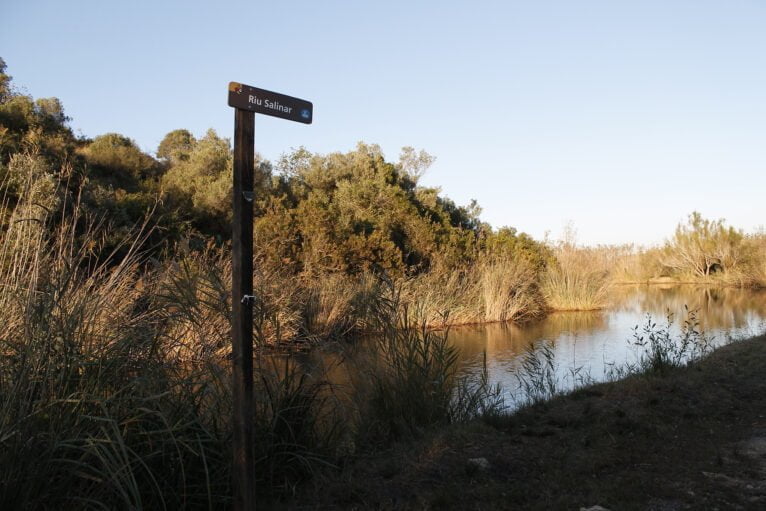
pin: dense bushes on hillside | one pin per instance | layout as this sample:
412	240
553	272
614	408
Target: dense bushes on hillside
333	217
316	214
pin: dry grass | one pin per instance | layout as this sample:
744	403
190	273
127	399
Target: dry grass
633	265
509	291
115	381
438	294
114	390
501	290
335	306
578	281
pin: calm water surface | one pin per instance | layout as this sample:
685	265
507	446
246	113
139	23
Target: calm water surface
591	341
595	340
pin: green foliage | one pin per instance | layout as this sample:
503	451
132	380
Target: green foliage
176	146
199	181
117	160
317	216
661	350
5	81
341	213
508	243
356	212
34	126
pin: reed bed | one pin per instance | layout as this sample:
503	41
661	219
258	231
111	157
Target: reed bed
483	292
114	383
410	381
509	291
115	379
577	281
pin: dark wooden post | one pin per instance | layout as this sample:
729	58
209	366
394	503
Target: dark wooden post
242	310
247	100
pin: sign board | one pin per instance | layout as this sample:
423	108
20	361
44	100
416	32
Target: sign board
248	101
266	102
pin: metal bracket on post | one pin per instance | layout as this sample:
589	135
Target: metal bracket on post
248	196
247	300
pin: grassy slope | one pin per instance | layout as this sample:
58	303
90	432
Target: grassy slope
693	439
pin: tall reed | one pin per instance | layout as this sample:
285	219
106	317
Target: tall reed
114	378
84	399
487	291
660	350
410	381
577	281
509	291
439	291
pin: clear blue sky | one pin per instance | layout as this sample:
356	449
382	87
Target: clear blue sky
619	116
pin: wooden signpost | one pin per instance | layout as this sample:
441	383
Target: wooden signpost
248	101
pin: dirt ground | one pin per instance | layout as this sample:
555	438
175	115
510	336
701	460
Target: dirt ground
692	439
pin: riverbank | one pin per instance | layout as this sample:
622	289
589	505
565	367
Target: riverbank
694	438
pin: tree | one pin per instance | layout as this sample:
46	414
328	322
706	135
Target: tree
38	127
117	160
355	211
176	146
5	82
701	247
414	164
200	182
508	244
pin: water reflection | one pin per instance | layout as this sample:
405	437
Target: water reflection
503	341
595	340
720	309
591	341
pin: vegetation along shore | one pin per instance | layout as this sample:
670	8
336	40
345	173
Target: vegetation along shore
114	306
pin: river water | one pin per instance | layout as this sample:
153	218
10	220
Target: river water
587	344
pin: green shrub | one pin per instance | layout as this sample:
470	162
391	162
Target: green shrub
660	350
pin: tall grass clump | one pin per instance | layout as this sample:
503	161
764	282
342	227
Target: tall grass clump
297	425
90	414
495	289
410	379
335	306
630	264
436	292
509	291
578	280
412	374
114	378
